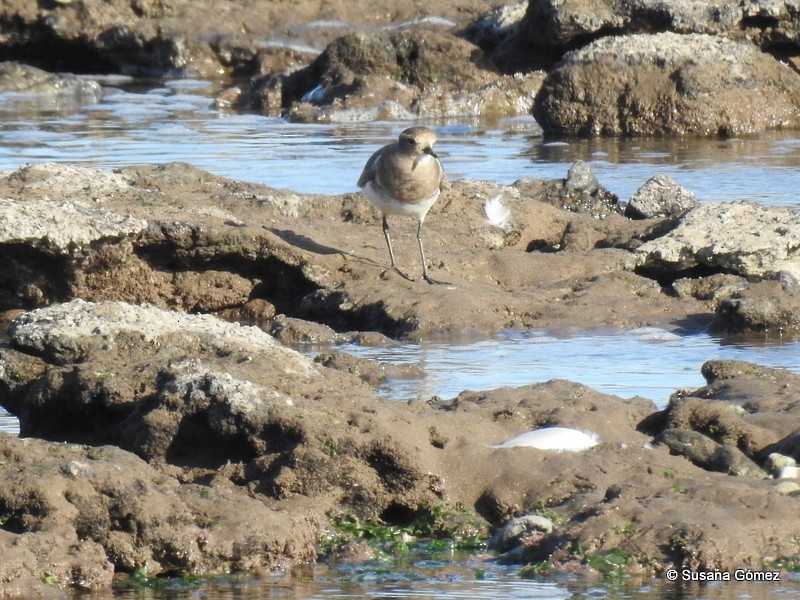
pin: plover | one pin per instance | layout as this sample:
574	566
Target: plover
405	178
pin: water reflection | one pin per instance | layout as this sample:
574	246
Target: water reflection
177	122
450	581
647	362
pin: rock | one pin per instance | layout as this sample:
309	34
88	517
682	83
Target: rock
581	179
62	226
660	196
668	84
776	463
63	506
510	535
231	435
509	95
17	371
371	372
579	192
744	406
491	29
24	88
742	238
67	332
787	487
762	306
185	38
550	28
715	288
723	422
292	332
51	181
789	472
709	455
400	73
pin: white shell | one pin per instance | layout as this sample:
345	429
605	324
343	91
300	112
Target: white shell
558	439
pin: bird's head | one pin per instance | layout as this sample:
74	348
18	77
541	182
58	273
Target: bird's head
417	140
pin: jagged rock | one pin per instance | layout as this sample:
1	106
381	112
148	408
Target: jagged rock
221	409
742	238
67	332
52	181
716	288
660	196
491	29
207	39
398	74
770	305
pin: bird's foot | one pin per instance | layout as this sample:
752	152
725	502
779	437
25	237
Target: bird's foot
402	274
433	281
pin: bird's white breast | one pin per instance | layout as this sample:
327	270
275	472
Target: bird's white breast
389	206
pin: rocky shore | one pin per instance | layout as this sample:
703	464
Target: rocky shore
150	308
167	425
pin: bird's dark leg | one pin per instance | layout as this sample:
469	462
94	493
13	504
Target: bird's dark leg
391	252
425	275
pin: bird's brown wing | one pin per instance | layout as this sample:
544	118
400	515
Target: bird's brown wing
371	168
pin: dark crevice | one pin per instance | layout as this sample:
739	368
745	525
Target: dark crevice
667	278
197	444
30	277
40	48
335	309
399	515
760	22
65	420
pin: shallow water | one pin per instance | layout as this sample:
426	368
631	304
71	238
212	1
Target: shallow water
647	362
177	122
451	579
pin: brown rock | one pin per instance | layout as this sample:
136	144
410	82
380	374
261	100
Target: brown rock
668	84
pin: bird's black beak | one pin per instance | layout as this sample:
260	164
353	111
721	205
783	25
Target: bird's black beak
427	150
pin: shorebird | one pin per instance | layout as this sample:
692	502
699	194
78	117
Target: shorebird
405	178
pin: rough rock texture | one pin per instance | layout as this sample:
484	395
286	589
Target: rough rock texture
221	410
250	253
742	238
73	515
203	250
53	181
398	74
188	37
744	405
660	196
62	226
250	458
706	453
763	305
550	28
668	83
